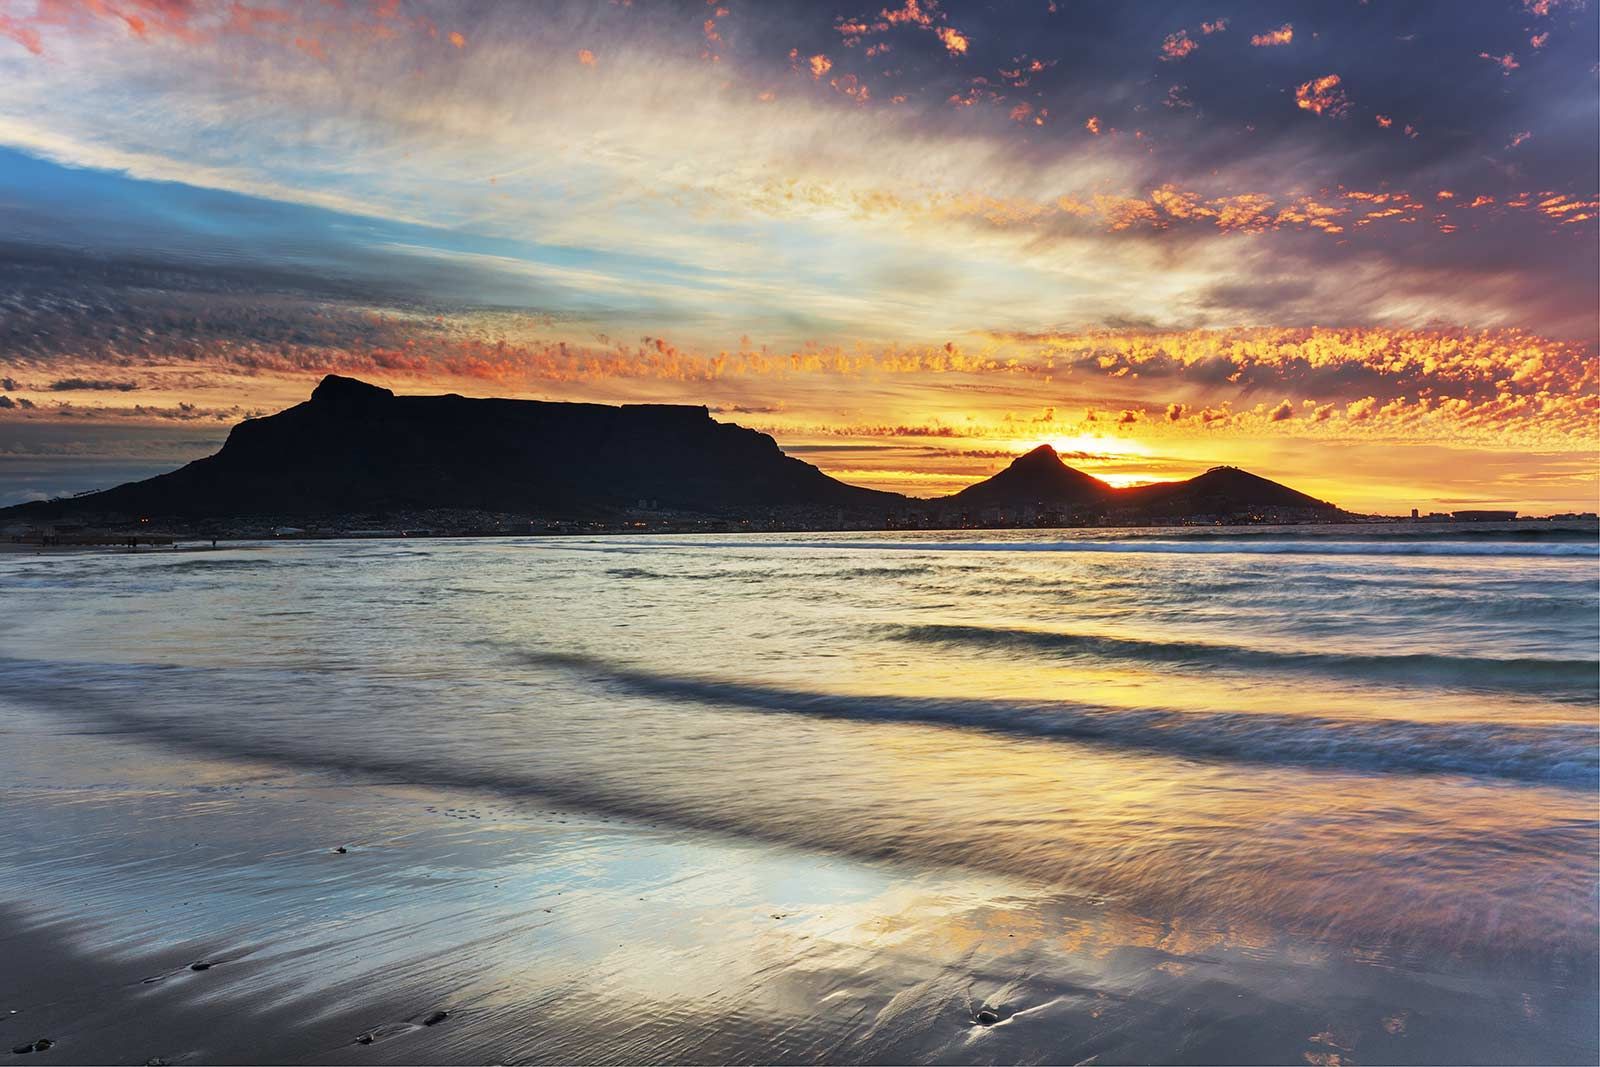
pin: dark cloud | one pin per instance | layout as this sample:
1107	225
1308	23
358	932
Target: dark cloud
1264	295
103	385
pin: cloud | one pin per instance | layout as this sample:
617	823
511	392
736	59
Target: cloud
92	384
1322	96
1507	63
1282	35
1177	46
676	195
26	36
955	42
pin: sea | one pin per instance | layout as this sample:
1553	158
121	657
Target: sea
1270	794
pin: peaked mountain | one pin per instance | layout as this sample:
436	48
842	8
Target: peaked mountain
1036	478
1041	478
357	448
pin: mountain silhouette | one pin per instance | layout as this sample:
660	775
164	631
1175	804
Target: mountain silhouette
1041	479
1036	478
357	448
1219	491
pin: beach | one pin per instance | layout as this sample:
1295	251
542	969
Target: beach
1306	796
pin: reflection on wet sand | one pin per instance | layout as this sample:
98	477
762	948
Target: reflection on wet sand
775	830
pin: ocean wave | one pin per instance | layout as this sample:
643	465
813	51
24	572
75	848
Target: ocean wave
1411	882
1572	676
1555	754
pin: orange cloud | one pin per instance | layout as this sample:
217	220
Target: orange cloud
1322	96
586	57
1539	40
1208	28
1507	63
1282	35
1384	120
954	41
457	40
1518	138
1093	125
1177	45
1499	388
852	30
911	12
850	86
819	65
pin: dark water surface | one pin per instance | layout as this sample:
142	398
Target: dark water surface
1285	796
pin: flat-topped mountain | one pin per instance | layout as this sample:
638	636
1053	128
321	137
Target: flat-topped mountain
1040	478
356	448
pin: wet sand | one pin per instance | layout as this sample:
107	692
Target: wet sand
547	936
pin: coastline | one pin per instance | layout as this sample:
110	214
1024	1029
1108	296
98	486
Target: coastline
1372	527
551	936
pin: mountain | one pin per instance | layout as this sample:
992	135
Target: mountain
1036	478
356	448
1219	491
1041	479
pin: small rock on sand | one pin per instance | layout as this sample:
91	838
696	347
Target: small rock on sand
436	1018
986	1017
200	965
41	1045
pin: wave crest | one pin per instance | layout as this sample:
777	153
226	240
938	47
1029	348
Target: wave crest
1558	754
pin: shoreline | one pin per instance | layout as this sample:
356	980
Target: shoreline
546	935
1394	529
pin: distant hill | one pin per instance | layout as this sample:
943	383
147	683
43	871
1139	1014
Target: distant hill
356	448
1038	477
1041	479
1219	491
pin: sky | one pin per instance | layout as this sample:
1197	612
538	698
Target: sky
1351	246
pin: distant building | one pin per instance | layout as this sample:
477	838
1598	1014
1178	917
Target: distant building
1414	515
1483	516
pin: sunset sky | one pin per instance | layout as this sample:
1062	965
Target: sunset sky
1349	245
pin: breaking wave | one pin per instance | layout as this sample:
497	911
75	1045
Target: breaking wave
1556	754
1576	677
